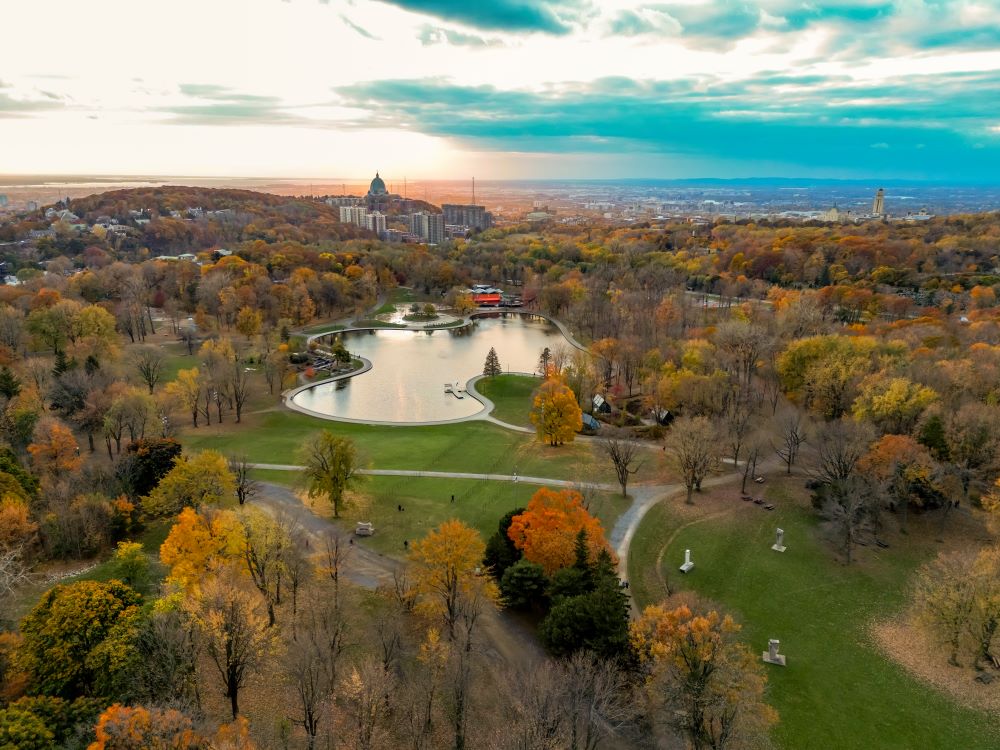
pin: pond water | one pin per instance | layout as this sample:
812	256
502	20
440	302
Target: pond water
410	369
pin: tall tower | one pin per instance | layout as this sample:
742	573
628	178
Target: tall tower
878	205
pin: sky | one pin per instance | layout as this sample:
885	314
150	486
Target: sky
502	89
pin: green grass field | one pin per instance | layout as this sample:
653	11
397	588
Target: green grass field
480	447
511	396
427	502
838	690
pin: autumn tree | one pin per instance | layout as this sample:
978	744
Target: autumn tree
233	631
246	486
138	728
548	529
492	366
200	542
893	404
692	444
791	439
265	541
445	566
201	479
700	679
555	413
331	467
54	450
64	634
248	322
187	391
905	471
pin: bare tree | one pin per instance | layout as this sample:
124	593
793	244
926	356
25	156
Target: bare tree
14	570
239	387
312	665
246	486
150	362
264	544
737	420
750	465
692	445
623	454
335	553
793	435
297	568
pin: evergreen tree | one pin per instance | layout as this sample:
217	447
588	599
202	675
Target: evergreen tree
91	365
492	366
10	386
61	365
544	361
523	585
500	550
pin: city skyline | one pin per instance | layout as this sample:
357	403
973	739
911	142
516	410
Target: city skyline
512	89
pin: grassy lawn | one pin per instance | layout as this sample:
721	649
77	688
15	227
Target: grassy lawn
838	690
480	447
511	396
427	502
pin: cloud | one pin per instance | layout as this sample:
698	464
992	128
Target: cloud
547	16
364	32
219	105
431	35
809	121
11	107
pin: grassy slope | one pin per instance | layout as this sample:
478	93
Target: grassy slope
838	690
511	396
427	502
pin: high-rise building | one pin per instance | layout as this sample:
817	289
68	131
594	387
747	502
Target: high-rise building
376	222
3	200
467	215
418	224
878	205
435	229
357	215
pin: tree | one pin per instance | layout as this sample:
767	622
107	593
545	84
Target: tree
545	362
492	366
893	404
54	450
233	630
187	390
623	454
130	565
64	632
151	460
905	471
793	435
523	585
10	385
248	322
150	363
556	414
692	443
265	542
331	467
201	479
500	550
199	543
246	486
445	567
239	386
23	730
700	679
138	728
549	528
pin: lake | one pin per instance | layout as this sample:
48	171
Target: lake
410	369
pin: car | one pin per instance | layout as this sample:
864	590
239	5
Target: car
759	480
364	528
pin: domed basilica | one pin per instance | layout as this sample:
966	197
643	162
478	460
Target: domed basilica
378	196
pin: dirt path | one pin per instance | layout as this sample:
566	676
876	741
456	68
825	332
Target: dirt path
504	640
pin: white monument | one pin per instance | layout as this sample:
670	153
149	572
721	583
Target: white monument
779	540
771	656
687	562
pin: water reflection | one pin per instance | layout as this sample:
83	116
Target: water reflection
410	369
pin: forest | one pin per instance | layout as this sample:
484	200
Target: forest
162	586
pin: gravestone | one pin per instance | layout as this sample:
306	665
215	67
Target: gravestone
771	656
687	562
779	540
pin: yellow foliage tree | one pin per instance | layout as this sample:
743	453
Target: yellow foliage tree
199	543
700	678
201	479
446	574
556	414
186	390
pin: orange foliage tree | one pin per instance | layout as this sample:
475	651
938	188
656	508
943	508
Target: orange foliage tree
199	542
556	414
547	530
138	728
54	450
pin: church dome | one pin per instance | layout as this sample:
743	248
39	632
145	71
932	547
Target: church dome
377	187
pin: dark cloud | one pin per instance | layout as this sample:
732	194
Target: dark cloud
935	126
547	16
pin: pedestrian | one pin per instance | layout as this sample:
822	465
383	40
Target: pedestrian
351	540
406	544
399	508
452	499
